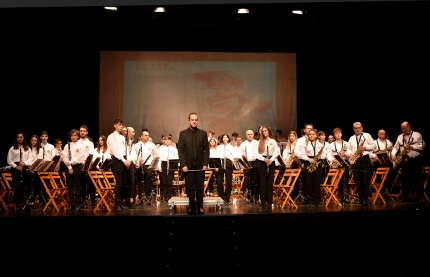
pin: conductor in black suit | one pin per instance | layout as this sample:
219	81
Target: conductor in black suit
193	150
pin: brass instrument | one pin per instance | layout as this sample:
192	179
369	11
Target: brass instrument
388	148
358	154
404	154
313	166
290	160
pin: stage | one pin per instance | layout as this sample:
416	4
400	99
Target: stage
386	239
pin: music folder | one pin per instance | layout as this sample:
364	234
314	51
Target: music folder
94	164
34	166
384	158
154	164
281	161
106	164
173	164
343	163
55	161
215	163
245	160
87	162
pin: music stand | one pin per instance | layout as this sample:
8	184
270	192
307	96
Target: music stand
153	167
85	169
106	164
384	158
94	164
215	163
173	165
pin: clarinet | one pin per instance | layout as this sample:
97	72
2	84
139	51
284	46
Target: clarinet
267	152
20	159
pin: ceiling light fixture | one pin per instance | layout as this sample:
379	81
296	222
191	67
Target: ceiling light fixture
111	8
242	11
297	12
160	10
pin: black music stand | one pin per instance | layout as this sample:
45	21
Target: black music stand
153	167
246	166
214	163
87	201
94	164
173	165
142	167
106	164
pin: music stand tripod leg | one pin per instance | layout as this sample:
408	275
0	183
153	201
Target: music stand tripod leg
87	202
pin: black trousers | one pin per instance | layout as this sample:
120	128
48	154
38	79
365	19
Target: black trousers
251	179
118	169
412	177
166	179
362	174
313	184
144	181
266	177
225	192
130	183
19	184
73	182
194	181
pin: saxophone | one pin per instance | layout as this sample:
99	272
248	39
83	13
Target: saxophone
290	160
336	165
313	166
404	154
358	154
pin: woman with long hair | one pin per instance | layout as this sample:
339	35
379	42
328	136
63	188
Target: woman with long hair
226	151
266	154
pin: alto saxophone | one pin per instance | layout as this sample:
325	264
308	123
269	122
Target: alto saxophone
336	165
358	154
404	154
313	166
290	160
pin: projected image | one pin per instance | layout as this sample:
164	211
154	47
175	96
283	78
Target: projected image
228	96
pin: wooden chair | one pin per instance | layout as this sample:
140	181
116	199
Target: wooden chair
178	185
330	185
50	189
103	189
396	186
238	180
6	191
208	176
426	171
282	191
377	183
58	184
110	183
276	176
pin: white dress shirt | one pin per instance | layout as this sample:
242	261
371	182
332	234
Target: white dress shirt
403	140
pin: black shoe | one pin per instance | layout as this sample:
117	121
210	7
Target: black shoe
132	206
200	211
358	201
70	208
18	209
118	209
191	211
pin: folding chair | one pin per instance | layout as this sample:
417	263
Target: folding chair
330	185
276	176
208	176
103	189
377	183
283	190
396	186
237	182
6	191
352	189
426	171
110	183
58	184
50	189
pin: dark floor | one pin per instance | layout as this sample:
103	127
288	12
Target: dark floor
383	239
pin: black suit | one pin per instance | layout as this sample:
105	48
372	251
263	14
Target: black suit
193	150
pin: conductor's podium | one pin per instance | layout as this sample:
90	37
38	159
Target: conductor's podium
184	201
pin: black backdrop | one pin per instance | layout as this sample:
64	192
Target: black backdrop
366	62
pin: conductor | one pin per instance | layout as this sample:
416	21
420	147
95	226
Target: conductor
193	151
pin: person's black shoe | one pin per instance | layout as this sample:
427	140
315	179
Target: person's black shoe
200	211
190	212
118	209
132	206
70	208
358	201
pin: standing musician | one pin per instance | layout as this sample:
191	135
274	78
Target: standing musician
48	149
302	140
58	150
18	154
36	153
321	138
213	153
225	174
131	156
409	147
312	152
341	148
361	145
166	152
74	158
101	151
266	153
193	150
88	148
289	157
116	145
248	149
144	149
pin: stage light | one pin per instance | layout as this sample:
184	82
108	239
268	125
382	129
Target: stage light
297	12
111	8
242	11
160	10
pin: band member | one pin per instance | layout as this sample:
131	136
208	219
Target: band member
331	138
302	140
48	149
312	152
361	145
166	152
248	149
172	143
131	156
289	158
341	148
73	156
409	148
116	144
18	154
193	150
86	184
101	151
146	152
213	153
233	139
382	145
266	153
225	174
211	135
36	153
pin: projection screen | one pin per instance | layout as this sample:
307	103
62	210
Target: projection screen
231	92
